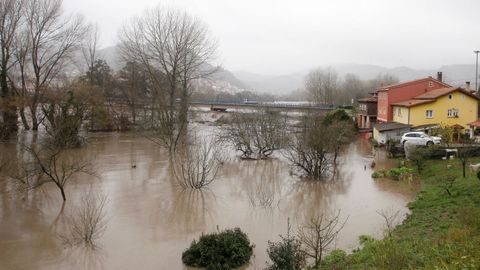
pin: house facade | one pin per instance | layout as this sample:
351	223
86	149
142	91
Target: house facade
387	95
444	106
367	112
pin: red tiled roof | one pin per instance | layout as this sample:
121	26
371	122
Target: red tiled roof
413	102
457	126
431	96
434	94
475	123
386	87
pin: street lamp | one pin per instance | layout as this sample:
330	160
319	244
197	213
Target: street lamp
476	72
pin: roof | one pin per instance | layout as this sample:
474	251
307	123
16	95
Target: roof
386	87
434	94
368	99
412	102
390	126
426	126
431	96
475	123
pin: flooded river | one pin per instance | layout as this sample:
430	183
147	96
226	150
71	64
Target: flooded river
150	220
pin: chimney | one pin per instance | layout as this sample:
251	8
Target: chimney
439	76
467	86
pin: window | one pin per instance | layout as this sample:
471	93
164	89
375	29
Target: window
450	96
430	84
429	114
452	113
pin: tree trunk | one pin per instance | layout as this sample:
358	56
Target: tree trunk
9	112
24	119
33	110
62	190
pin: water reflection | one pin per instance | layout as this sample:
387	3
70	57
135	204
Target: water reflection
152	220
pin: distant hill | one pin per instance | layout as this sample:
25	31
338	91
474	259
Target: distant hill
456	75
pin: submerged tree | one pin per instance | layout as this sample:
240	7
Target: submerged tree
256	135
315	148
197	165
134	87
64	115
45	163
11	14
174	49
87	221
53	39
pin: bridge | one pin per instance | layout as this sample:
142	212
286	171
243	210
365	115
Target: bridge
224	105
217	105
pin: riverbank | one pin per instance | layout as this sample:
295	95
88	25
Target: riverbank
441	232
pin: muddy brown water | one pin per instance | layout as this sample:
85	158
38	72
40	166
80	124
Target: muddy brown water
151	220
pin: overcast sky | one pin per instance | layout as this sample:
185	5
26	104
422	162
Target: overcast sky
279	36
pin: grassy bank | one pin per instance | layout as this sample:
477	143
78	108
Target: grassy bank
442	231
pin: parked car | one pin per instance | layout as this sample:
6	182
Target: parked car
420	138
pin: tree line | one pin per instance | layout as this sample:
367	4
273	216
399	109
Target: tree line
324	86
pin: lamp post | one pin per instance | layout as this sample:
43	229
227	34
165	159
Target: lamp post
476	72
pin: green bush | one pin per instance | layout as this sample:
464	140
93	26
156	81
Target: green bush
418	157
286	254
217	251
337	259
379	174
399	173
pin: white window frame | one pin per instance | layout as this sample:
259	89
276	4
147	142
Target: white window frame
453	113
429	115
430	84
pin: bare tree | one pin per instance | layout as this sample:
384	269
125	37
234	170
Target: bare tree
309	149
49	164
197	165
53	39
322	85
134	86
90	48
256	135
174	49
19	79
87	221
392	218
319	234
11	12
315	148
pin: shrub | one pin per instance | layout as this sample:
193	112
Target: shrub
418	157
286	254
399	173
392	148
217	251
379	174
337	259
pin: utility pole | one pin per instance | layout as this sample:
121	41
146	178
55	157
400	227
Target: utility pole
476	72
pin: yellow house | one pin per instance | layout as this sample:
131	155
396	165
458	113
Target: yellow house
445	106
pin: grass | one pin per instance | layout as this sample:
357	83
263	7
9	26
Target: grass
442	231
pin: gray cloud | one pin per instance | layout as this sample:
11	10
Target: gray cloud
276	36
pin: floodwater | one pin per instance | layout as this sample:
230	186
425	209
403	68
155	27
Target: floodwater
150	220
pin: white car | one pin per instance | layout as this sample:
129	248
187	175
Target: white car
420	138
